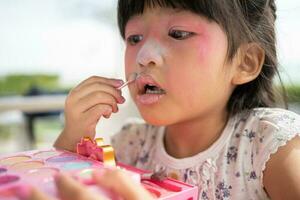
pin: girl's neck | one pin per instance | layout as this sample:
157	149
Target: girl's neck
191	137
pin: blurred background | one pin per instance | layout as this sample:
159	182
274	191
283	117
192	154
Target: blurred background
49	46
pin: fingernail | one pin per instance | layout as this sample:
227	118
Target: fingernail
116	109
122	99
118	82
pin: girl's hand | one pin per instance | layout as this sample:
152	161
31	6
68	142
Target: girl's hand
68	189
115	180
85	104
121	184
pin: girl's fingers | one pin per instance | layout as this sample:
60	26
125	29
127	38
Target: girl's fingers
98	87
94	79
120	183
86	122
35	194
92	116
96	98
68	189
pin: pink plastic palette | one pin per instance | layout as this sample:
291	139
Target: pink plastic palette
38	168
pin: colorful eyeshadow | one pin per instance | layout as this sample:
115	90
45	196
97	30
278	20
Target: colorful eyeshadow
8	179
76	165
27	165
14	159
46	154
45	174
42	172
2	170
62	158
21	171
86	173
86	176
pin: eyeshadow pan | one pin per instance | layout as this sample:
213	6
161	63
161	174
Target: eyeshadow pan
44	174
27	165
14	159
46	154
46	171
20	171
2	170
76	165
62	158
86	173
86	176
8	179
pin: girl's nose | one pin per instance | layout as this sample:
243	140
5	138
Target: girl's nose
150	54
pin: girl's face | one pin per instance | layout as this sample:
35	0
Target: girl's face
182	60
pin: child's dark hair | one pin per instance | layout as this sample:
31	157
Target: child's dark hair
243	21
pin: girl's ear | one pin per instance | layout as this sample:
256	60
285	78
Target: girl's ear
250	59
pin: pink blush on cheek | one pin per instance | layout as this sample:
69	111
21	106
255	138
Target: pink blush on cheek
212	50
202	51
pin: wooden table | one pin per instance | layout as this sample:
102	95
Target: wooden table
34	107
33	104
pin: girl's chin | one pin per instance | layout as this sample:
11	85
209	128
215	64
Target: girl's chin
155	119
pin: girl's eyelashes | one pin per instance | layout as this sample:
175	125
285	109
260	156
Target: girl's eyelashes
174	33
134	39
180	34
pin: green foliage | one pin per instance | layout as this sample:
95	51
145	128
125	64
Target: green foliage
293	93
5	133
19	84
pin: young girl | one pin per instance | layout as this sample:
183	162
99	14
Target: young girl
205	89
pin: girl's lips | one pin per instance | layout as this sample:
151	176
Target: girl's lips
143	97
144	80
148	99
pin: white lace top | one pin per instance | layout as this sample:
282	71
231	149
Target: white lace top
231	168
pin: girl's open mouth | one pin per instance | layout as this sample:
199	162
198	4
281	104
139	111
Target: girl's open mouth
149	91
152	89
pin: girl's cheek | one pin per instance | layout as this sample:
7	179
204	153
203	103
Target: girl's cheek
202	52
203	48
175	80
130	58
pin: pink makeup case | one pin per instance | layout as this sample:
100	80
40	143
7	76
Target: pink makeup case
37	168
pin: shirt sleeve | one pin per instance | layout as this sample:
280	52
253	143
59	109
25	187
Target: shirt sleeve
275	129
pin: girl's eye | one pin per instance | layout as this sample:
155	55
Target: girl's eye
180	35
134	39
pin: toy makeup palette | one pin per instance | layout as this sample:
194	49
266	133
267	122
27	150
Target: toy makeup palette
38	168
